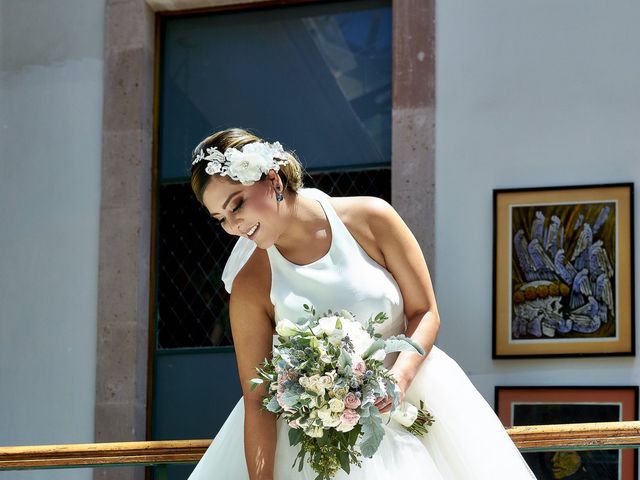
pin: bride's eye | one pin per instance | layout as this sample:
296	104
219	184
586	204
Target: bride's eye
235	209
239	206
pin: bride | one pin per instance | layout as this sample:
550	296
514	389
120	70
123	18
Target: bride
353	253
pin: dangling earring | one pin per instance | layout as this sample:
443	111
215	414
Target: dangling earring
279	197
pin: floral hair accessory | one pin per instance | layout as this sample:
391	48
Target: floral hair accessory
245	165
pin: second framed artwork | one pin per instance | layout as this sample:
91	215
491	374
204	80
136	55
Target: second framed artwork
561	405
563	271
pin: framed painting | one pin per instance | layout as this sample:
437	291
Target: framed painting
563	271
517	406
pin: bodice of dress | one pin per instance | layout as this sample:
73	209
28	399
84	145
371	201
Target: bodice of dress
462	444
344	278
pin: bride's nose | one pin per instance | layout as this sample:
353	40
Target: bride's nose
237	226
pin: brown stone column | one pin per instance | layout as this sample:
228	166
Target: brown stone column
125	229
413	125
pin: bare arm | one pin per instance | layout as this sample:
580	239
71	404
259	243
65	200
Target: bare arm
252	337
405	261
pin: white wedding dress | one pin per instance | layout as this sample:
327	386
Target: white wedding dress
466	442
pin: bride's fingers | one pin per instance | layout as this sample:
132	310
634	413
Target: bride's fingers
382	403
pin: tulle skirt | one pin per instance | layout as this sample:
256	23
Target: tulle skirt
466	442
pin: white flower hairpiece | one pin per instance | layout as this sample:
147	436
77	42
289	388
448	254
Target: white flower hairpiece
246	165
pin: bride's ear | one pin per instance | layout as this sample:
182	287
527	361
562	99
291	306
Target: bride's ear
275	181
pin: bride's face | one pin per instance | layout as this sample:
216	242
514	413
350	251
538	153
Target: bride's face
239	208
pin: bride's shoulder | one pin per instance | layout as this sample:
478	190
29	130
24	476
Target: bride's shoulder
254	278
363	209
257	270
365	217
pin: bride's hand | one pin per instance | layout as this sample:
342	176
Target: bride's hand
384	404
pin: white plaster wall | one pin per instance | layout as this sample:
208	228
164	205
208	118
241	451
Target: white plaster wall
50	151
529	93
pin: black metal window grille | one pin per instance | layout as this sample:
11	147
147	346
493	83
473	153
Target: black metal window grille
192	304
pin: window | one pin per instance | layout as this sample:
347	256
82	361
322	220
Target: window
315	77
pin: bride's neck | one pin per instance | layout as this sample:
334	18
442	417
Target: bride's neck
305	222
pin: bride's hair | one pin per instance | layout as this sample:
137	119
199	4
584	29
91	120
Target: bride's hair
290	173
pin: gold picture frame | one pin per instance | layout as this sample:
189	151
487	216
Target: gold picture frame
563	271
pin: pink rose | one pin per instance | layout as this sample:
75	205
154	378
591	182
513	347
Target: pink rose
349	417
359	368
351	401
294	423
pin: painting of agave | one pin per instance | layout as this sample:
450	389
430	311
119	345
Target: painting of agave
567	268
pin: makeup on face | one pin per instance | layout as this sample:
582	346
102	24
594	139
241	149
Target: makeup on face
240	211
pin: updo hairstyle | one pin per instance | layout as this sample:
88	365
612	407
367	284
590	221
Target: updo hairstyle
290	173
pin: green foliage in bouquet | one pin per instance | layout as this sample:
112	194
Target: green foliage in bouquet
324	376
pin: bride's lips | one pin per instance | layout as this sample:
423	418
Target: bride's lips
253	235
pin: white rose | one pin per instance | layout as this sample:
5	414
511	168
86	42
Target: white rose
286	328
328	324
336	338
317	389
336	405
326	381
332	422
315	385
360	338
329	419
304	381
341	392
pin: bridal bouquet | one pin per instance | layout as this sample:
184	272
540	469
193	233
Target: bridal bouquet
324	378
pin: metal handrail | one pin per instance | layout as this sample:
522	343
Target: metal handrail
579	436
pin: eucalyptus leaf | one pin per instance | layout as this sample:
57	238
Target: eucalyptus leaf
273	405
390	385
255	382
344	359
372	434
290	398
401	343
374	347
